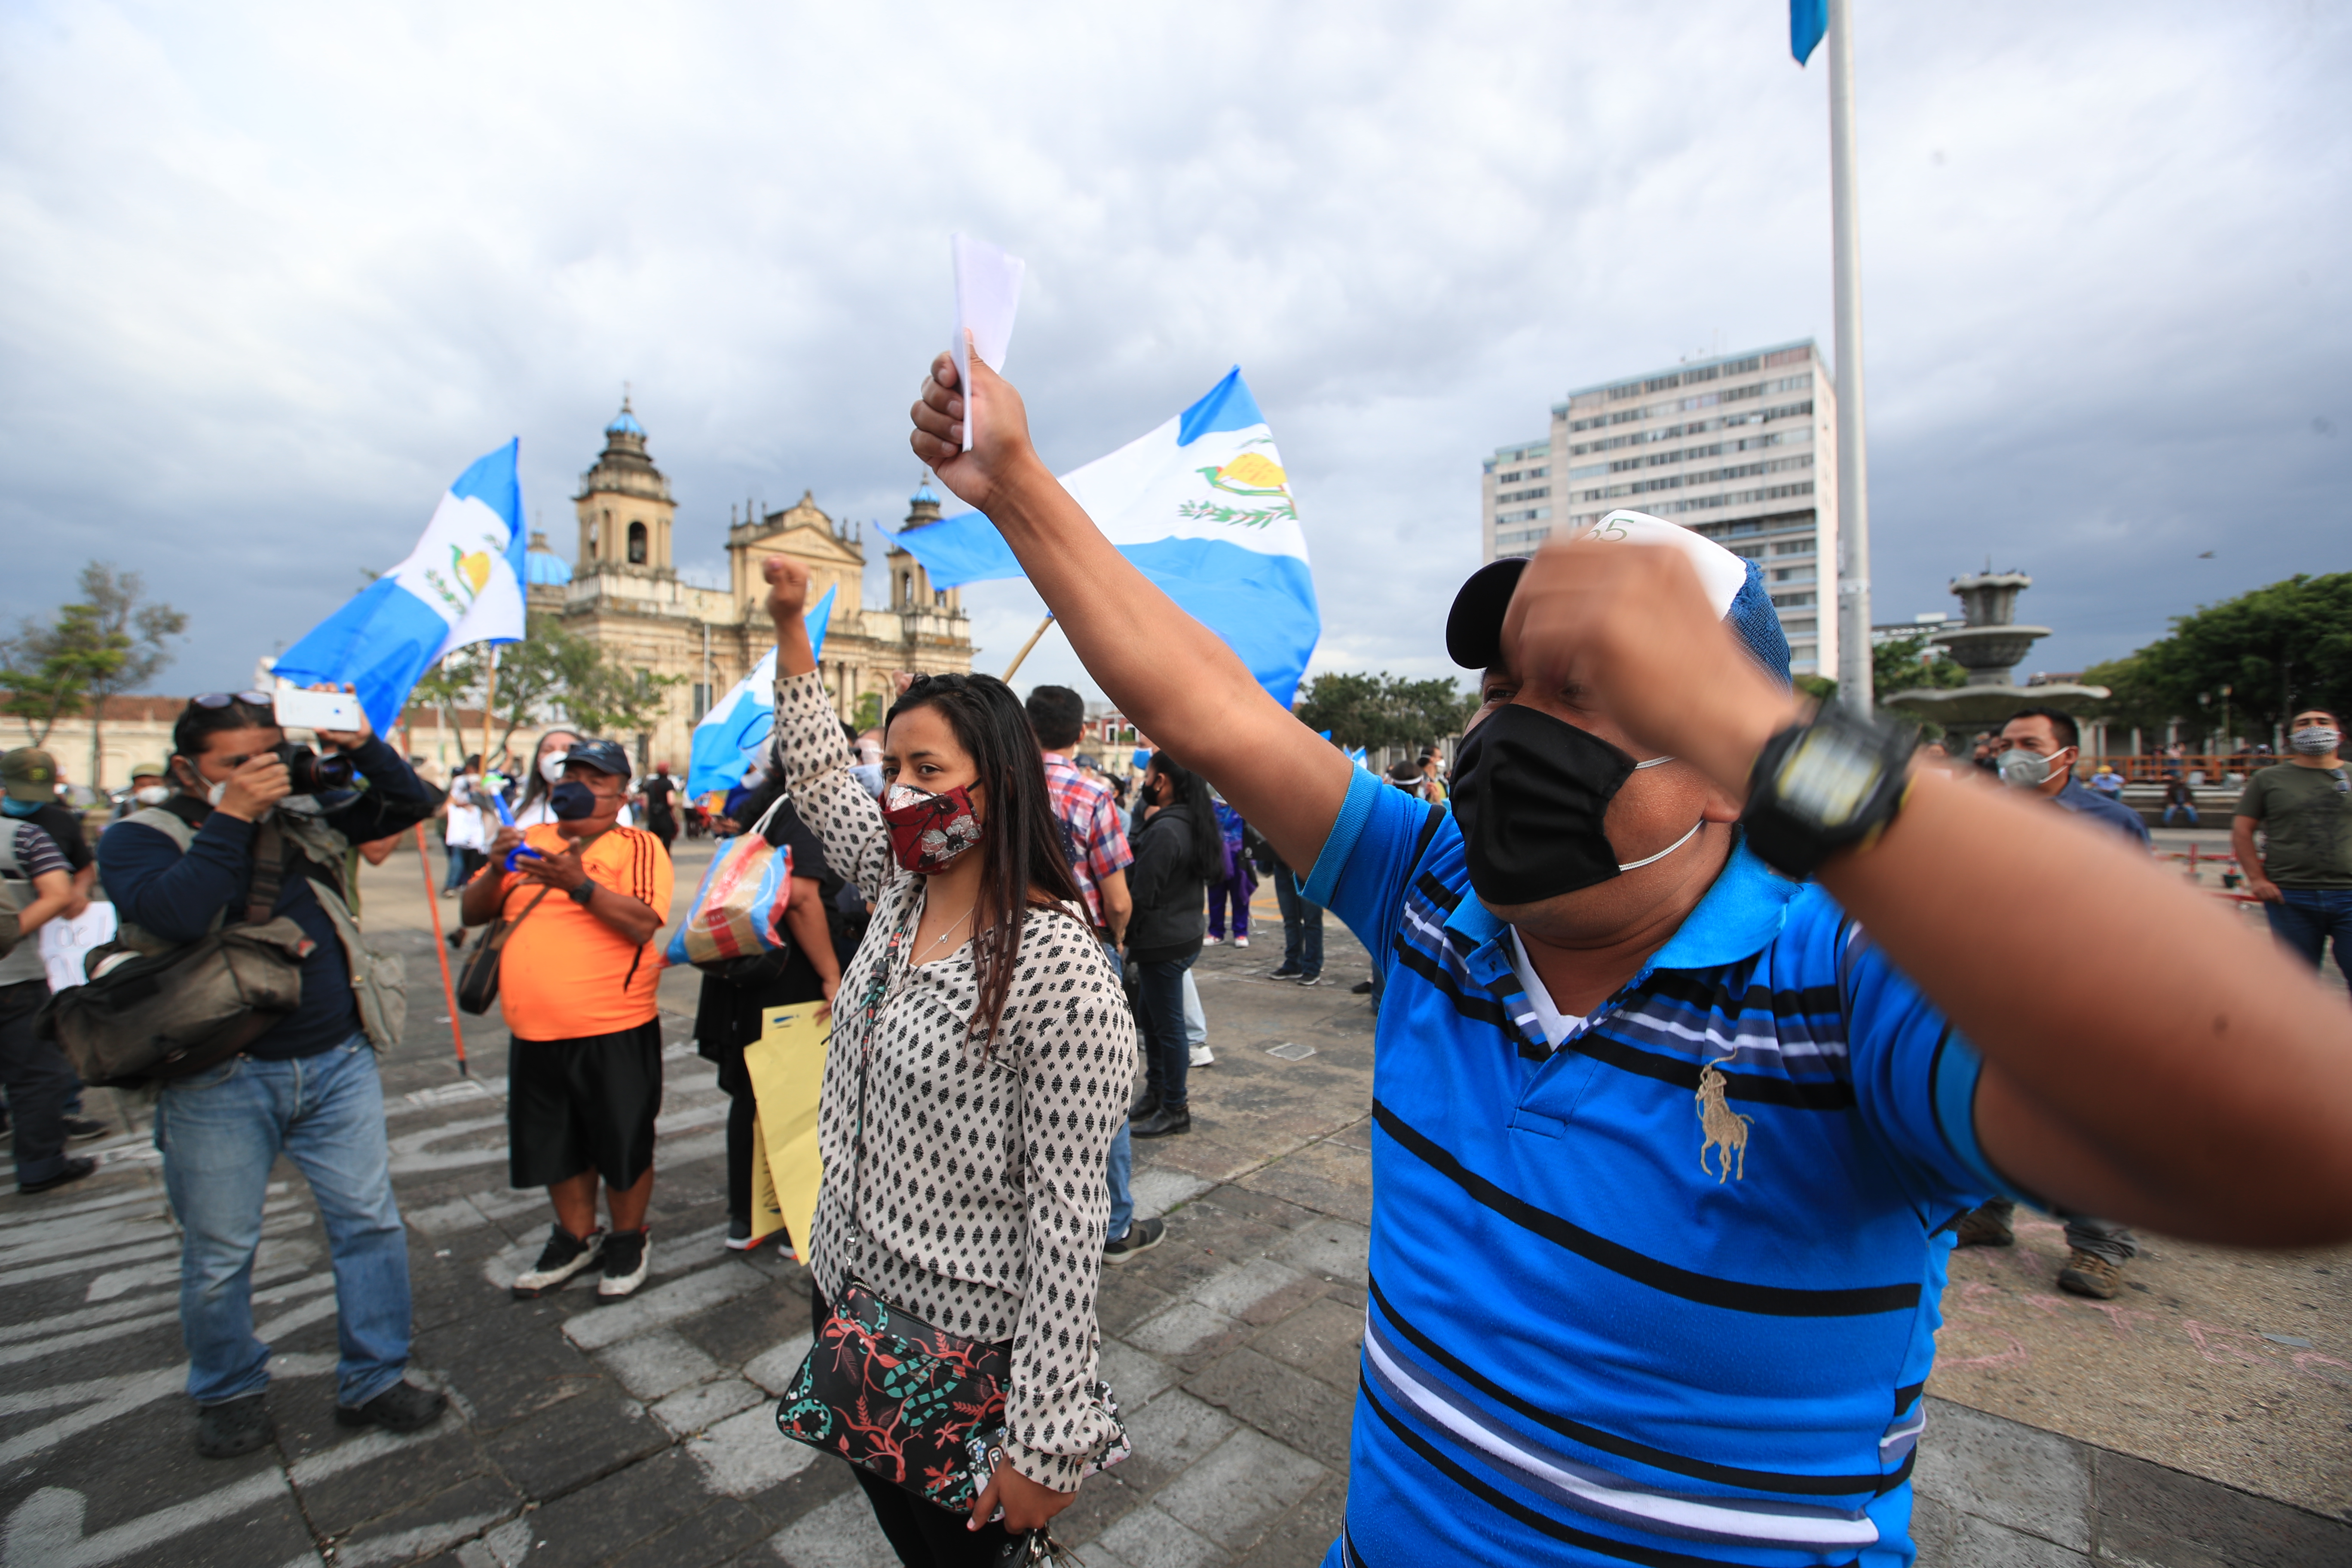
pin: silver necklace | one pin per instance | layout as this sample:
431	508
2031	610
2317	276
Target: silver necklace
939	939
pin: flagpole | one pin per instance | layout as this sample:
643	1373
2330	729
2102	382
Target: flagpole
448	989
490	700
1853	671
1012	668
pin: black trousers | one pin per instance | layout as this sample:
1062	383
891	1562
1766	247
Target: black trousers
923	1534
39	1082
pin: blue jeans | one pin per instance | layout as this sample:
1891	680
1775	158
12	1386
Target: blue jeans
1302	924
1122	1156
219	1131
1161	984
2307	917
2187	811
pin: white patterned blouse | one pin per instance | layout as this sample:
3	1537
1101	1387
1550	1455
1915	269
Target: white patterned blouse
984	1196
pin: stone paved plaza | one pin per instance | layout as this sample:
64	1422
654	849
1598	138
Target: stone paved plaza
2205	1419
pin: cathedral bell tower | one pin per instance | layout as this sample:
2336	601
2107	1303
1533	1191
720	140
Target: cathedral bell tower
624	505
911	584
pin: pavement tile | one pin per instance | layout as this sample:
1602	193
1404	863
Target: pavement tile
1209	1227
1282	1303
1980	1543
1335	1248
2146	1513
775	1368
1103	1499
1147	1538
1320	1340
507	1361
558	1449
1248	1197
1134	1377
1239	1488
52	1524
2005	1473
1239	1286
840	1534
692	1409
657	1364
1125	1298
446	1519
427	1465
1168	1435
750	1325
1297	1184
1290	1406
717	1534
1301	1537
662	1305
745	1455
1156	1189
1187	1334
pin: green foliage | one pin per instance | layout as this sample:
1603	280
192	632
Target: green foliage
2277	649
1820	688
1900	664
556	674
1382	710
870	712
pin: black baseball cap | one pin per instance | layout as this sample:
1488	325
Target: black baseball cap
1474	628
604	756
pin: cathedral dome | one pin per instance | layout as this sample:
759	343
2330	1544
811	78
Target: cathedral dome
544	568
625	466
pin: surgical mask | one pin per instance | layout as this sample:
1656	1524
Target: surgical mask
20	809
2022	769
929	832
154	794
571	801
219	791
2315	739
1531	794
550	768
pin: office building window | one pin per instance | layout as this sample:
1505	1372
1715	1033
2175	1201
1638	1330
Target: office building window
1791	601
1794	547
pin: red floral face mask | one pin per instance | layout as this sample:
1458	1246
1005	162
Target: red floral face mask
929	832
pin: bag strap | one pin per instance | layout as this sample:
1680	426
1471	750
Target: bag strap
269	875
870	1013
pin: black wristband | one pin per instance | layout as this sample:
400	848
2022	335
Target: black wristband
1831	783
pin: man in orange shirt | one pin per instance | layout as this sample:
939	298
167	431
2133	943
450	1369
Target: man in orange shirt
576	985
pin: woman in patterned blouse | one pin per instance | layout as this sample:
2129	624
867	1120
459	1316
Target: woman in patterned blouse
998	1069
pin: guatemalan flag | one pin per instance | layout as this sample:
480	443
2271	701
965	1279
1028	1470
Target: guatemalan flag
1203	507
738	726
462	583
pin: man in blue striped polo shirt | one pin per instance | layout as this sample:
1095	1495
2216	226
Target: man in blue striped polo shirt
1667	1143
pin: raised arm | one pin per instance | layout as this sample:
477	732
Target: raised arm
2147	1056
1165	670
810	748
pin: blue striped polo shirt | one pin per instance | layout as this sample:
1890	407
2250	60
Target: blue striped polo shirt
1664	1294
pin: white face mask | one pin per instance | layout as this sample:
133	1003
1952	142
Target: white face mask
550	768
2315	739
2022	769
154	794
213	795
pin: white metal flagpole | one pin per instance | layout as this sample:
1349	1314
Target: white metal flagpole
1853	469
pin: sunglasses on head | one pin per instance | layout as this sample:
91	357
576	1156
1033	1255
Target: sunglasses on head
223	698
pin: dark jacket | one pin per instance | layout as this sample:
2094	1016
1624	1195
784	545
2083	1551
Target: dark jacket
1169	887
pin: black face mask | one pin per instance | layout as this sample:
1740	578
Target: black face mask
572	800
1531	794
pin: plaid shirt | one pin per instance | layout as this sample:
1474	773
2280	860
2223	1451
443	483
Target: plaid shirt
1093	819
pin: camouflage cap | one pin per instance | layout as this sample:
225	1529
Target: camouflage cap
29	774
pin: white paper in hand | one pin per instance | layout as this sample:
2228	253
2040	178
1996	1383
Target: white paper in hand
987	294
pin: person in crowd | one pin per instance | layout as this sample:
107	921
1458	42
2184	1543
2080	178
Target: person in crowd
1177	850
2180	799
546	771
1433	775
35	795
2302	871
978	1011
658	795
463	830
576	988
731	1010
151	785
2107	781
307	1087
1302	922
1679	1084
2038	748
1234	882
35	884
1097	845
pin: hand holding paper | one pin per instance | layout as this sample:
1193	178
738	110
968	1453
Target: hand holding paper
987	294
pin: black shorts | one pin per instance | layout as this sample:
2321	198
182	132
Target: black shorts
583	1104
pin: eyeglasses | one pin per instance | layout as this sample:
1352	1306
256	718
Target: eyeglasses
223	698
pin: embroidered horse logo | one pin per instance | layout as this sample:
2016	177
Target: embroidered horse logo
1725	1129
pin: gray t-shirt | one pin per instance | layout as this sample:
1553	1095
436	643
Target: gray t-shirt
2307	817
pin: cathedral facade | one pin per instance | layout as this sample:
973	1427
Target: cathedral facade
622	592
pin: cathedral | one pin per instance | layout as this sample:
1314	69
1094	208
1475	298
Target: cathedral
622	592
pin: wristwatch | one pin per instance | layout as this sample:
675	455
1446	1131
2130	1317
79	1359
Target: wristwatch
1833	781
582	894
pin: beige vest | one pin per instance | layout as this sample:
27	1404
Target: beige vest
24	961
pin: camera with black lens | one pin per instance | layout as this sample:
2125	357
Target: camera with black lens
308	773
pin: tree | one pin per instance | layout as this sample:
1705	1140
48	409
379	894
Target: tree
135	631
869	712
1372	711
554	673
1899	664
2277	649
48	669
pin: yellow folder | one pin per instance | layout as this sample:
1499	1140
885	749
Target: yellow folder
787	1068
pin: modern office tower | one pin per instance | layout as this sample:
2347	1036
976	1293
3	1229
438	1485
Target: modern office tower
1741	449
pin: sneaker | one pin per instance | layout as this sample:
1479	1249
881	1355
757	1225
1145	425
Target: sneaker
2088	1274
1142	1236
565	1256
628	1257
236	1427
739	1234
1982	1227
1210	940
403	1407
1202	1057
1361	988
81	1129
1287	972
1241	941
74	1170
787	1251
1162	1124
1310	979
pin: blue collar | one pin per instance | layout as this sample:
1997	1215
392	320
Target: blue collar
1741	913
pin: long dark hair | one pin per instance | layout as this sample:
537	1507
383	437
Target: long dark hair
1191	791
1020	837
537	784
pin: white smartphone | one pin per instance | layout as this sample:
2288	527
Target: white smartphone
317	710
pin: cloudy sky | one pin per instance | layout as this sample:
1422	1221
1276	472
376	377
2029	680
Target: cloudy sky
272	276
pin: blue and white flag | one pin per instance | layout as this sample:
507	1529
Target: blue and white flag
1807	20
1203	507
736	730
462	583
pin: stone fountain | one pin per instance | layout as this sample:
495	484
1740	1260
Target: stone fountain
1988	644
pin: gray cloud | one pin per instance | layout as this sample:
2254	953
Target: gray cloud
276	274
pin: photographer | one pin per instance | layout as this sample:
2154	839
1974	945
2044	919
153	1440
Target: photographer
307	1087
